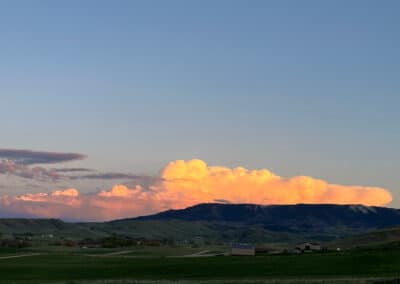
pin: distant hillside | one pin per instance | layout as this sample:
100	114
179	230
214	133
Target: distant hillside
48	226
149	229
380	238
188	230
35	226
226	222
302	218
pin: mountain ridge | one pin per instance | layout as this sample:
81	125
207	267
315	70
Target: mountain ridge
273	215
226	222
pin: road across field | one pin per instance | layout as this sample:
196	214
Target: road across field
125	254
19	256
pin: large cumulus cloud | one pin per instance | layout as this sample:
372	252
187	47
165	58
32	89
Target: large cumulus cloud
199	182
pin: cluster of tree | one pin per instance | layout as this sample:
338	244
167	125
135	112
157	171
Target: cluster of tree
121	241
116	241
14	243
110	242
64	243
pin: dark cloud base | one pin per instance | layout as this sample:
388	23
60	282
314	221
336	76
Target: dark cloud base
30	164
29	157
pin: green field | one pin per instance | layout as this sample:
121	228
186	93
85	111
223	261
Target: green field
73	265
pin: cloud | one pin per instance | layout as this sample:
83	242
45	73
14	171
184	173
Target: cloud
64	204
112	175
70	204
71	192
72	170
28	157
40	197
196	181
186	183
22	163
8	167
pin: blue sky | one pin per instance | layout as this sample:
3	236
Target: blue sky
298	87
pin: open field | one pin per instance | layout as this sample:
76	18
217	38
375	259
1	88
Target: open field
73	266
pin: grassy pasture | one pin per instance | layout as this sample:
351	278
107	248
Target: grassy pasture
62	267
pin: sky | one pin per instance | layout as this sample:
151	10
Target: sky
123	92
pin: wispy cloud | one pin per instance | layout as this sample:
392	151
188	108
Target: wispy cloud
73	170
31	165
29	157
8	167
113	176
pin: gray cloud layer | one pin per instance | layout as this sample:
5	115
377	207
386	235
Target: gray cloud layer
28	157
111	175
22	163
43	174
73	170
20	170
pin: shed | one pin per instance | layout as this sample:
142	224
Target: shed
308	247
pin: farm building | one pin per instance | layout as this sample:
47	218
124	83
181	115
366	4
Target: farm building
243	250
308	247
198	241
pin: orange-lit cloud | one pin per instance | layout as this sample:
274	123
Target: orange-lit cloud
196	181
72	192
186	183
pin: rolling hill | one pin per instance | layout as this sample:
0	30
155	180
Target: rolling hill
275	223
289	218
227	222
384	238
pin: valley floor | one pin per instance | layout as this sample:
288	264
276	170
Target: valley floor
157	265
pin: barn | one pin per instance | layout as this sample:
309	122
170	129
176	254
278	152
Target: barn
308	247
